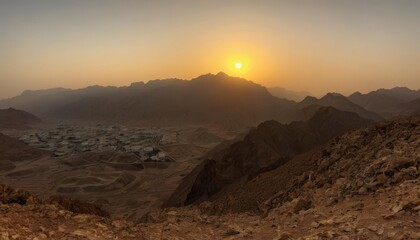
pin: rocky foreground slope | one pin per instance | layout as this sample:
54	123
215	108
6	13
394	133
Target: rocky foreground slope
364	185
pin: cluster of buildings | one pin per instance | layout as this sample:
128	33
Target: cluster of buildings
66	140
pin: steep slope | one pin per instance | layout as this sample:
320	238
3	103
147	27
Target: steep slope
288	94
385	102
17	119
270	145
340	102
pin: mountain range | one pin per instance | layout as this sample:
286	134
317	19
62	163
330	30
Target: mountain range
211	99
389	102
208	99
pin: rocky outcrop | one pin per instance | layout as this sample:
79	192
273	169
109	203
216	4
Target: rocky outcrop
25	216
9	195
363	162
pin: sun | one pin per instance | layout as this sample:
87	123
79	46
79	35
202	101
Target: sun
238	65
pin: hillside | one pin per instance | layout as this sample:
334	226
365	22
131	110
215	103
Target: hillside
270	145
13	152
386	102
340	102
17	119
362	185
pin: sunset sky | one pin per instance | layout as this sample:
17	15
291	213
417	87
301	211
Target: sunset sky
317	46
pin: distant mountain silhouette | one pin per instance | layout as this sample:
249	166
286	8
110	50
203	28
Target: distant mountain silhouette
208	99
17	119
386	102
42	102
270	145
340	102
288	94
216	99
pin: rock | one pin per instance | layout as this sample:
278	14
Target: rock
380	231
397	208
314	224
327	222
362	190
284	236
381	179
231	232
300	204
347	227
358	206
373	228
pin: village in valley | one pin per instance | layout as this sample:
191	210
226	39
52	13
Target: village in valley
65	140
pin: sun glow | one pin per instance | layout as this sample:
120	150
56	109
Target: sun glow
238	65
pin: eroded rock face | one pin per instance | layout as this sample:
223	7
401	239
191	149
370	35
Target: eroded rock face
9	195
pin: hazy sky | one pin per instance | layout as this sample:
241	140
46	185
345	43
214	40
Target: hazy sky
312	45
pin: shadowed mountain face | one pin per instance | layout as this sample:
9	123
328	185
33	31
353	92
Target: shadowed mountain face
270	145
208	99
17	119
388	102
340	102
